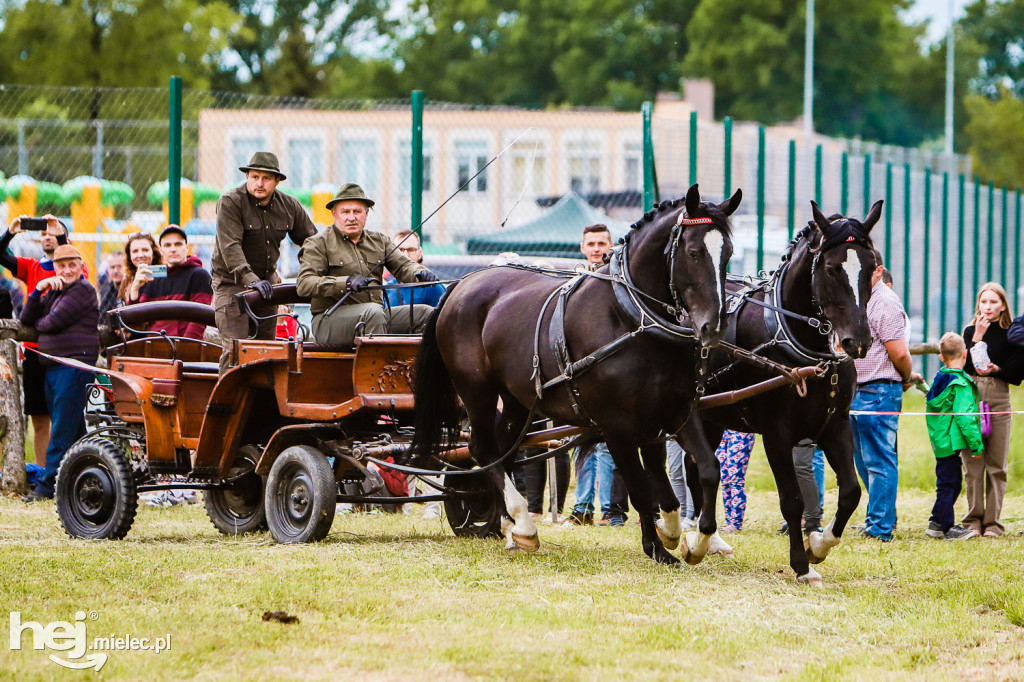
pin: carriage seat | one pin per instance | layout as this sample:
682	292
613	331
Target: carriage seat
140	313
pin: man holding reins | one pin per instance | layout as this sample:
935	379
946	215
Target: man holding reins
340	263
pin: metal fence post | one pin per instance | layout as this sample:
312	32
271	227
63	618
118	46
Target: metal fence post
944	269
174	154
760	198
990	239
1016	257
844	185
817	176
416	165
1004	241
867	183
693	148
975	251
727	161
888	211
925	280
961	257
646	110
906	235
791	204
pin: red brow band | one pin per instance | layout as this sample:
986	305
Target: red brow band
695	221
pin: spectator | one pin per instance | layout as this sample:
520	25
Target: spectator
141	252
31	272
252	221
733	455
287	325
6	304
186	280
339	264
994	363
536	477
64	309
110	282
883	375
676	459
408	243
952	431
809	465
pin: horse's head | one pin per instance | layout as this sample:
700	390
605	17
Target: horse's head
841	271
701	248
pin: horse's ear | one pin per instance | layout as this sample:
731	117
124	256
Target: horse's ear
729	207
873	215
819	218
692	201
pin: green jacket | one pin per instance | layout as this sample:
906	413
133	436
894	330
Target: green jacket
329	258
953	391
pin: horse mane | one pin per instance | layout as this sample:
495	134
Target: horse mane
659	208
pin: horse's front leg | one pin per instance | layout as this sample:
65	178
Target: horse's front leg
641	492
520	531
696	442
780	458
837	442
668	526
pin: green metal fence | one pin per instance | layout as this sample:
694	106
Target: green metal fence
497	172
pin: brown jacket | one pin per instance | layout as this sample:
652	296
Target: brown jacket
329	258
249	236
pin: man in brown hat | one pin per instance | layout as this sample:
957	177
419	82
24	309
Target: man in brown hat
252	221
341	262
64	309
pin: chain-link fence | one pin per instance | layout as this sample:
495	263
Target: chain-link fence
501	179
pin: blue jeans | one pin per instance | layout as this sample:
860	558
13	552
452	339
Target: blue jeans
67	391
677	476
594	471
874	453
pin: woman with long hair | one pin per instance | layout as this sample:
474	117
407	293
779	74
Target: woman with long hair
994	363
141	251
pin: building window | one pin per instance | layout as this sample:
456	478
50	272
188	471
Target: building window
470	159
529	168
584	167
359	163
634	176
242	149
405	159
305	163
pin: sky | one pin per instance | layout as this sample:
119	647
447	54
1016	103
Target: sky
938	12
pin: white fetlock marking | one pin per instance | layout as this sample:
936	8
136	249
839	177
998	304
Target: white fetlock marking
698	543
719	546
822	542
812	578
506	530
516	505
669	529
828	538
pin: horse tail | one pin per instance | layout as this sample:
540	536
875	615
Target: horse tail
437	416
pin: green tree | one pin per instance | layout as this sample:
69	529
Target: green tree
994	35
131	43
995	129
865	59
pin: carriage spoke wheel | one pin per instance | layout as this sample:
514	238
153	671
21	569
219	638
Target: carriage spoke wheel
477	515
95	493
300	496
238	507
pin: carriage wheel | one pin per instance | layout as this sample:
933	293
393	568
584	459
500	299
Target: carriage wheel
300	496
238	508
95	492
478	515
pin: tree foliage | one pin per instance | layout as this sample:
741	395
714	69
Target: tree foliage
129	43
994	35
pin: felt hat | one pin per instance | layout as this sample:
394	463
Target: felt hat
66	252
350	192
264	161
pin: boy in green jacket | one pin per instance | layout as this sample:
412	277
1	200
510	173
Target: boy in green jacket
952	426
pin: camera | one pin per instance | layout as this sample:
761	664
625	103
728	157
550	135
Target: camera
33	224
158	271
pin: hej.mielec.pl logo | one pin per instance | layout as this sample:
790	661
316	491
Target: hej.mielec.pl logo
73	639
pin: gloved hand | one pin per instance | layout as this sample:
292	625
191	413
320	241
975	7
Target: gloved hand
359	282
426	276
265	288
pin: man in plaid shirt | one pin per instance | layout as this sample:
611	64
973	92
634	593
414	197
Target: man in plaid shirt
882	377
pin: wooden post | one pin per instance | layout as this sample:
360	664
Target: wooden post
12	418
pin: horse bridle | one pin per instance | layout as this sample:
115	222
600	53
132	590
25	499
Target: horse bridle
675	237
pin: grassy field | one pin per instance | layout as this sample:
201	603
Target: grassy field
397	597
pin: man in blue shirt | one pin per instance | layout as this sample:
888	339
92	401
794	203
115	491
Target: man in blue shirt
408	242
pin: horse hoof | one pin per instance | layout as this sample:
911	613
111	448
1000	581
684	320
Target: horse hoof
663	557
811	579
527	543
666	539
690	543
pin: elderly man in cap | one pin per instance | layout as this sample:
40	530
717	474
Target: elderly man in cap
64	309
252	221
341	262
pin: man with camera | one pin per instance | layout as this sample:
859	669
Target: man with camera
252	221
180	278
340	263
64	309
52	233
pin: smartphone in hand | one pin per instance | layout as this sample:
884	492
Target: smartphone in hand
33	224
158	271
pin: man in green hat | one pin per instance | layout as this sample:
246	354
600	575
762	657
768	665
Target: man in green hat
252	221
341	262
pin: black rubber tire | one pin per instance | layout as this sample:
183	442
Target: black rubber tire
239	509
478	516
300	496
95	492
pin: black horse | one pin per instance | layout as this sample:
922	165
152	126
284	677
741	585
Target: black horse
822	288
602	349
